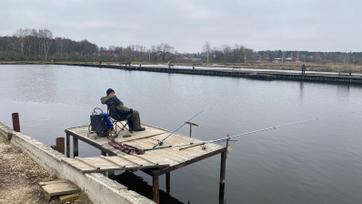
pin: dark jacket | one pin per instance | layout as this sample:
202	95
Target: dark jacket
116	109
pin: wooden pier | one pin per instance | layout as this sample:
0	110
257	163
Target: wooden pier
155	162
320	77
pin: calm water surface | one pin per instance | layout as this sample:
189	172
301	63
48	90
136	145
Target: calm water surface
316	162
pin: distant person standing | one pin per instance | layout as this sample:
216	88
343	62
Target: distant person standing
170	65
304	68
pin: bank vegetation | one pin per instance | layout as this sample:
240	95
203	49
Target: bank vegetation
39	45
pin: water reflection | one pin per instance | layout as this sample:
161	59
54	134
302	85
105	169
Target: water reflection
343	92
40	87
137	183
318	162
301	92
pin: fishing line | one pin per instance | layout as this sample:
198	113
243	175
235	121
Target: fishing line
176	129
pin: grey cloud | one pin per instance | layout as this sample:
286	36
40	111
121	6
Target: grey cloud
259	24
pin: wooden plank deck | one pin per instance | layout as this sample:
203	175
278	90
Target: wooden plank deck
170	157
109	163
155	162
59	187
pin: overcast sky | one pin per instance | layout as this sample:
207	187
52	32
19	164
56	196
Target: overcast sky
315	25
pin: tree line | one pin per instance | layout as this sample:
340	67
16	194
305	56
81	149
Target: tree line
33	44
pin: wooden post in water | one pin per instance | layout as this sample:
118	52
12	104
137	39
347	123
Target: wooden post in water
16	123
59	144
168	179
67	145
156	191
75	147
222	173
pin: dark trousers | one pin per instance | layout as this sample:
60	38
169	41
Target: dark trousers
134	121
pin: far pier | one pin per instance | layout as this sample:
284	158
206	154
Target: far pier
249	72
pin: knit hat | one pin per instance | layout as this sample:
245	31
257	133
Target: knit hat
109	91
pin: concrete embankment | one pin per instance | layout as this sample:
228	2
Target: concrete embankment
324	77
99	188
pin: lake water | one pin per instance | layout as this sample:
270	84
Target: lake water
315	162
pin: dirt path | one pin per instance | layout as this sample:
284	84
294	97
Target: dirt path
19	176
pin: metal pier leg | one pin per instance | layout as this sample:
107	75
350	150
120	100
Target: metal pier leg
106	173
190	130
67	145
156	191
168	178
75	147
222	176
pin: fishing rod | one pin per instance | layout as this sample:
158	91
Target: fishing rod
247	133
160	143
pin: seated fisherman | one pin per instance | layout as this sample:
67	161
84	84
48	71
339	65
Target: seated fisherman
119	112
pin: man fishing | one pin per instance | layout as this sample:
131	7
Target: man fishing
120	112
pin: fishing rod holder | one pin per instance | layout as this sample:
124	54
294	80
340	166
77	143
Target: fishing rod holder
191	124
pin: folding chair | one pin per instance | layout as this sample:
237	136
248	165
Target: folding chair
119	122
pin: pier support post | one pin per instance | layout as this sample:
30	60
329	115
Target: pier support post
59	142
67	145
222	173
156	191
16	123
75	147
222	177
59	145
168	179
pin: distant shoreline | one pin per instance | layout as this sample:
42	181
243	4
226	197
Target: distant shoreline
295	66
251	72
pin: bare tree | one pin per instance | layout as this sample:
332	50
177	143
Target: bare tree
45	36
164	49
240	53
207	50
19	40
